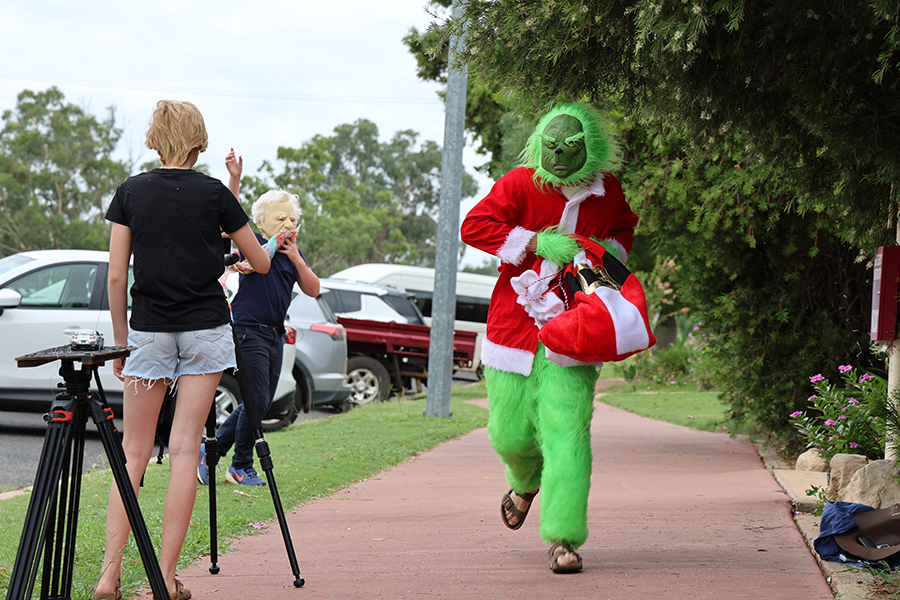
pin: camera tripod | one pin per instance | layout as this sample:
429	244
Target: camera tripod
265	463
51	521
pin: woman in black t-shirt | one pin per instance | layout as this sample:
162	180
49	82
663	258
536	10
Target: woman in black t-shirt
171	221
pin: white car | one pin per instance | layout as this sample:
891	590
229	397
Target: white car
47	296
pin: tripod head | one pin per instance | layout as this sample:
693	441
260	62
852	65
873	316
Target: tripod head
75	381
96	357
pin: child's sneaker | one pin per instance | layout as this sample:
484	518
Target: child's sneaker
243	476
202	468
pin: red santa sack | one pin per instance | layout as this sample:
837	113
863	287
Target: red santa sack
606	311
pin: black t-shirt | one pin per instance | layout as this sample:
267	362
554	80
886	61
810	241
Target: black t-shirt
176	217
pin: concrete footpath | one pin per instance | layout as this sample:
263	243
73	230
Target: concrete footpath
674	514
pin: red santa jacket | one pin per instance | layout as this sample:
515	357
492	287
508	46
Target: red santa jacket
503	224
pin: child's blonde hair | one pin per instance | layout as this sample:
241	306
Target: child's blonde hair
175	129
271	197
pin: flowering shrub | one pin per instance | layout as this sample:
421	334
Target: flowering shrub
686	360
843	420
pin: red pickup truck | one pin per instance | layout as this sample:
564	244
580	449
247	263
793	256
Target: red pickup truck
385	356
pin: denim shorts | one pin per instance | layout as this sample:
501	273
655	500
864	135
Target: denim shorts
168	355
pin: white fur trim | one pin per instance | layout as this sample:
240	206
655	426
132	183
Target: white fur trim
565	361
513	249
504	358
620	249
569	219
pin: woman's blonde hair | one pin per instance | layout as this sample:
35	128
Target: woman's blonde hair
176	128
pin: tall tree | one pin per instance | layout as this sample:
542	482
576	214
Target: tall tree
56	173
809	87
762	147
363	200
779	296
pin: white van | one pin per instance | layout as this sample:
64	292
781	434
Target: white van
473	293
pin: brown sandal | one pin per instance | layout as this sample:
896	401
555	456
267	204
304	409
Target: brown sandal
507	505
116	595
557	549
180	593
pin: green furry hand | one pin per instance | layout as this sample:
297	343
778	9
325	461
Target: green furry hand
556	247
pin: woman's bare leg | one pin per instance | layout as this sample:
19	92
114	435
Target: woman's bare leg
141	406
195	397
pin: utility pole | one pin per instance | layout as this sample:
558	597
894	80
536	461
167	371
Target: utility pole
443	304
893	364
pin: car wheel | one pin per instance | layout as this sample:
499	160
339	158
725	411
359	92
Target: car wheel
368	380
276	424
303	395
228	396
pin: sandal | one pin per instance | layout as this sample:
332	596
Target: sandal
180	593
507	505
557	549
115	595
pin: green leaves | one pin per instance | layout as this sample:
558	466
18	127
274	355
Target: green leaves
363	199
56	174
809	89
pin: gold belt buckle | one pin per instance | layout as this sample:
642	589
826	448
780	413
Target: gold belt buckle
599	277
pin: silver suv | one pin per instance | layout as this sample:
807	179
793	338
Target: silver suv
367	376
320	365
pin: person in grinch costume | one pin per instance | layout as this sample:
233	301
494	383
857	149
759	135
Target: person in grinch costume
541	403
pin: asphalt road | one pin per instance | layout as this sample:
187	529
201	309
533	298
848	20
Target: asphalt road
22	440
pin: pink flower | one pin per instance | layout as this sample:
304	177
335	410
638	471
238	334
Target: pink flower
816	378
842	417
831	422
852	401
866	376
854	445
811	398
844	368
796	414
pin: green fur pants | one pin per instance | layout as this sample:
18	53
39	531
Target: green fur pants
540	426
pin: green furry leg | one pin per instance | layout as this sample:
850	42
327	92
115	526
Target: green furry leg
540	426
511	428
564	409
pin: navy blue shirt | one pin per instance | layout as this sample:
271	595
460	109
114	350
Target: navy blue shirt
264	299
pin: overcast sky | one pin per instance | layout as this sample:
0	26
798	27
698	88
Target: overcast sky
264	73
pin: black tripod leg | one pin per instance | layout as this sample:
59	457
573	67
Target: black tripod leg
102	416
212	459
67	512
41	507
265	457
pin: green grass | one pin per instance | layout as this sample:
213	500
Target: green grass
312	459
678	404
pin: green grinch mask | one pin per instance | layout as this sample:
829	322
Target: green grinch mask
563	150
571	145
